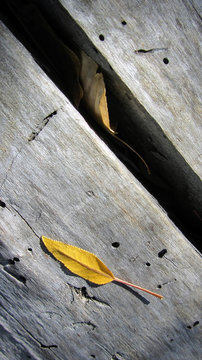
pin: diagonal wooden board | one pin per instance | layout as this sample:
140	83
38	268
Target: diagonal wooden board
170	92
66	184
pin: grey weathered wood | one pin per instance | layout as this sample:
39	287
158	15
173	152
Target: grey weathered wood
170	93
66	184
138	107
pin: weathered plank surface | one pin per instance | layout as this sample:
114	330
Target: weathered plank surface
167	79
66	184
149	88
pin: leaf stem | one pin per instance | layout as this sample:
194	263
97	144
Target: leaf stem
133	150
138	287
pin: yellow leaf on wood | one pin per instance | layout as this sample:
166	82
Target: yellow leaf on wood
94	91
79	261
85	264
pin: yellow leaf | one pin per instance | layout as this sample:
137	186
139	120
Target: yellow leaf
85	264
95	100
79	261
94	91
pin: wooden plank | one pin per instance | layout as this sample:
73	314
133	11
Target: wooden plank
165	77
172	180
65	183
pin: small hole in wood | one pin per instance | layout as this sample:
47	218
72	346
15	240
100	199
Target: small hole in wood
123	22
195	323
2	204
11	262
22	279
90	193
162	253
101	37
188	327
16	259
84	292
148	264
159	286
171	340
166	61
115	244
29	249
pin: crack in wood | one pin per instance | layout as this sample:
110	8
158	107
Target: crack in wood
162	184
83	294
26	222
143	51
88	324
197	12
14	273
31	335
41	126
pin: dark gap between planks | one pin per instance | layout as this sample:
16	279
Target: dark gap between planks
172	182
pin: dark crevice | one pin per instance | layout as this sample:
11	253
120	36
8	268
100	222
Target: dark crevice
2	204
48	346
41	126
172	182
82	292
14	273
162	253
143	51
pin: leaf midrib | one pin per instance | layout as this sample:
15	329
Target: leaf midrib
88	267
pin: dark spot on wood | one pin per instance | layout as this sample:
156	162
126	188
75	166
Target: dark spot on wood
114	357
148	264
196	323
142	51
115	244
2	204
84	292
90	193
159	286
123	22
189	327
162	253
22	279
48	346
11	262
29	249
166	61
101	37
50	115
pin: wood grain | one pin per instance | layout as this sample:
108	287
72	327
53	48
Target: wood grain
66	184
165	77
